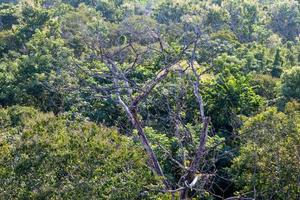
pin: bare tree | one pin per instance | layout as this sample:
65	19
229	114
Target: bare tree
129	95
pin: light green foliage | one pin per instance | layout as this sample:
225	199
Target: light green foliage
268	164
48	157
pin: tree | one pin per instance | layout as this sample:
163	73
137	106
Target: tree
7	16
8	19
277	64
176	76
244	16
285	19
40	74
27	17
230	93
169	12
44	157
290	81
265	86
267	167
216	17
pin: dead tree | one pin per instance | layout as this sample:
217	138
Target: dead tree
122	87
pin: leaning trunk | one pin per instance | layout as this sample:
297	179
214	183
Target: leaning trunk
154	161
195	163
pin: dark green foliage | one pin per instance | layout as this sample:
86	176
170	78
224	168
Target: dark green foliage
277	64
265	86
290	84
169	12
244	18
230	93
285	19
7	16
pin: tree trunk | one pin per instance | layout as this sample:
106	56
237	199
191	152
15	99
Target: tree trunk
195	163
154	161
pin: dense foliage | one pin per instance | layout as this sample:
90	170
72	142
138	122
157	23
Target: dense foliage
269	154
149	99
48	157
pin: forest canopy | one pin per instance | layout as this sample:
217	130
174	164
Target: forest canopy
150	99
